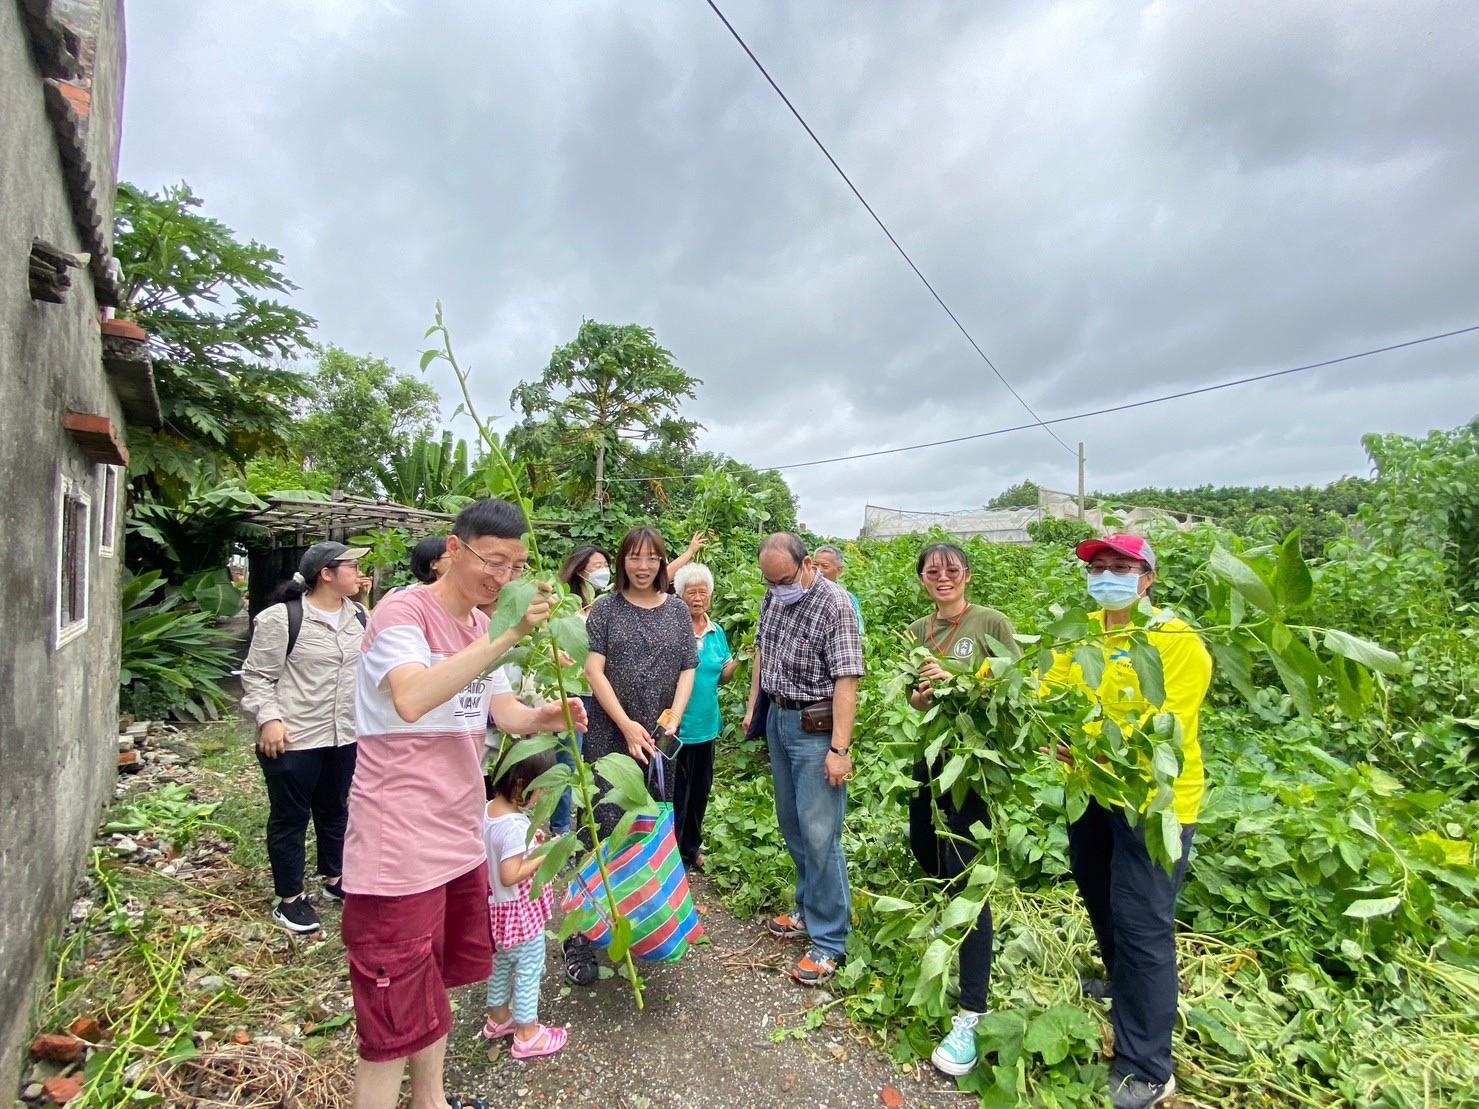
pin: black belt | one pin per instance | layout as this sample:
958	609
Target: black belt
793	706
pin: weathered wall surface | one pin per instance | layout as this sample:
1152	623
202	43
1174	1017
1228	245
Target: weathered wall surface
58	704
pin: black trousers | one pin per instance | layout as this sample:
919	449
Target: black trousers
950	859
304	785
695	766
1132	905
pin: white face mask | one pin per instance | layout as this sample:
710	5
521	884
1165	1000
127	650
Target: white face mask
599	579
788	594
1116	592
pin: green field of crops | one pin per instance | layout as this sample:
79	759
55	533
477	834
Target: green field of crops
1328	948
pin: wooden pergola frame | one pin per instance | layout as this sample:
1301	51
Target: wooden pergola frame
341	516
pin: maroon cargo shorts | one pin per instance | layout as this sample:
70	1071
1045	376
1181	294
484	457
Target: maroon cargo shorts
405	953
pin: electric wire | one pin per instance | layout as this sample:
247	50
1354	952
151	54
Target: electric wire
1248	380
1132	404
1038	421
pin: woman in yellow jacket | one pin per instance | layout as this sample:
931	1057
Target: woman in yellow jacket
1130	898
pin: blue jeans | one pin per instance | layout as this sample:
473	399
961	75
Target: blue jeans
560	819
810	814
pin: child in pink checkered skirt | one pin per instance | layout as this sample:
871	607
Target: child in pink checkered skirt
517	920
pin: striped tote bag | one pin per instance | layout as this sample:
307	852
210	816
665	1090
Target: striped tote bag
651	889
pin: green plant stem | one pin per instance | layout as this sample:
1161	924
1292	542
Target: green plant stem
151	1010
545	640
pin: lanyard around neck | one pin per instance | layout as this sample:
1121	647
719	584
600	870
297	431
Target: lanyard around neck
954	631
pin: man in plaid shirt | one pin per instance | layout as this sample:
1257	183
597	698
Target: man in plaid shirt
808	650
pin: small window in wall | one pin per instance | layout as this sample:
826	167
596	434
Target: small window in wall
108	480
73	542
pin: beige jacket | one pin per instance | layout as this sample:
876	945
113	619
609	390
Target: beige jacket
312	692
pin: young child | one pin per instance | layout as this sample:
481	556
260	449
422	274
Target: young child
516	919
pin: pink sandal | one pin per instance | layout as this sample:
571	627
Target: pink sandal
545	1041
493	1030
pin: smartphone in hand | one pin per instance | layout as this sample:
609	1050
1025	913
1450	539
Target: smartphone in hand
664	734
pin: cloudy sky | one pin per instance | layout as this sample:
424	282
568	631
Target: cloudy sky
1119	201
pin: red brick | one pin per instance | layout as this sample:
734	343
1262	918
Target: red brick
61	1090
79	98
57	1048
124	329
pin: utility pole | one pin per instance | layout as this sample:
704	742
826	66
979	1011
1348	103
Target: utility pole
1080	480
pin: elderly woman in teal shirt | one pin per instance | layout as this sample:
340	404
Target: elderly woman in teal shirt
701	723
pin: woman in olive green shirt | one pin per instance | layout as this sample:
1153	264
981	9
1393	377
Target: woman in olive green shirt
971	634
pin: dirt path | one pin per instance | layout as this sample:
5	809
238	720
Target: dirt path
721	1028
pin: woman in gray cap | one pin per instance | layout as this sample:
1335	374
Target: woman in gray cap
298	683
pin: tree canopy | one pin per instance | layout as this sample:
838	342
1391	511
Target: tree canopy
1022	495
220	342
608	404
1318	512
360	415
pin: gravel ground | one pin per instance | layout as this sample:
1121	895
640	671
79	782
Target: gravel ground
713	1034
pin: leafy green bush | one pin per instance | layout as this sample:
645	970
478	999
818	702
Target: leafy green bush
268	474
1053	531
390	555
1330	946
172	658
197	534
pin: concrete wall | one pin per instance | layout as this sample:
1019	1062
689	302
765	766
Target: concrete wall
58	704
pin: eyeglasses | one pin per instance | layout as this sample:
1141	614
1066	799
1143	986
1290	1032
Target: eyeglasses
644	560
1121	567
939	573
792	580
497	567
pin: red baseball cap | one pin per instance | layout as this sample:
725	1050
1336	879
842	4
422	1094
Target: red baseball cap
1131	546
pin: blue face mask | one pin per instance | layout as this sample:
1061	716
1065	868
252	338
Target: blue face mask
1114	591
787	594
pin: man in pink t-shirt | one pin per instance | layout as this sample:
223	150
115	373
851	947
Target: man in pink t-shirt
415	919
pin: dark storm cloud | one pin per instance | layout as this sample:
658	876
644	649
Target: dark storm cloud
1118	202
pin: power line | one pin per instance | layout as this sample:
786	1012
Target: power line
884	227
1094	412
1132	404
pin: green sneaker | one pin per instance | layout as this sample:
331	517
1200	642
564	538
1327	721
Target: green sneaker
956	1054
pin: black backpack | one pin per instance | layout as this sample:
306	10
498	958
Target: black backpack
295	620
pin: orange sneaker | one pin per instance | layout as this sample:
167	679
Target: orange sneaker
787	926
814	968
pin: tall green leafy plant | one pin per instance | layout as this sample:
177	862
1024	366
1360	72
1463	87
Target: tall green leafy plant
389	554
430	473
554	654
196	533
1427	499
172	660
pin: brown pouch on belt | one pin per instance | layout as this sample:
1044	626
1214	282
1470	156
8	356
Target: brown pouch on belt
816	718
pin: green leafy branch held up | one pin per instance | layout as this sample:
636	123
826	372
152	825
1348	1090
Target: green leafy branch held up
989	725
555	646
